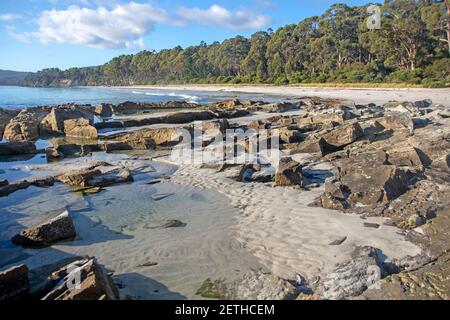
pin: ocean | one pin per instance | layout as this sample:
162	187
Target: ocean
21	97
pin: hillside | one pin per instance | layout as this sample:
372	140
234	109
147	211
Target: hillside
412	46
12	78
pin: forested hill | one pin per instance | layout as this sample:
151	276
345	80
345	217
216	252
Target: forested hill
412	46
12	78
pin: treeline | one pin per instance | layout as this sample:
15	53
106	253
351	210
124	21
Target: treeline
412	46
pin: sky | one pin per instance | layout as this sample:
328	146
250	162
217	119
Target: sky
37	34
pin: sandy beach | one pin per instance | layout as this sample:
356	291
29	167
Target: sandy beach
358	95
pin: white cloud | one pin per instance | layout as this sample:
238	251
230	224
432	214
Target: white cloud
120	27
219	16
9	17
21	37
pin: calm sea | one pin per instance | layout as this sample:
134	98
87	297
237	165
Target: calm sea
20	97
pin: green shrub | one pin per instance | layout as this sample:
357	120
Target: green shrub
281	81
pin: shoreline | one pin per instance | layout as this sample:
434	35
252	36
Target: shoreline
358	95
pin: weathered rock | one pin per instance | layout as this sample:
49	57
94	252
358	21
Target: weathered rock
429	282
5	116
343	135
217	125
376	184
14	283
404	156
95	177
350	279
110	177
17	148
402	107
53	123
397	121
117	146
104	110
58	228
161	137
128	107
415	207
261	286
79	128
279	107
445	113
80	178
322	118
25	126
290	136
82	280
289	173
13	187
3	182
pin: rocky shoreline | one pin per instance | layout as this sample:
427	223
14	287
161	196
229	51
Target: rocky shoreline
390	161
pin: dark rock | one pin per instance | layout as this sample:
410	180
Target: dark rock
371	225
17	148
173	224
289	173
338	242
14	283
104	110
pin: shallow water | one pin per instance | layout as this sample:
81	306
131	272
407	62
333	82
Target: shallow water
125	228
20	97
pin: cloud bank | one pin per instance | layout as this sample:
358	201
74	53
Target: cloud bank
121	27
125	25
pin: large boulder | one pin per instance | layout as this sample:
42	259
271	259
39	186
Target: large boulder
58	228
53	123
104	110
14	283
79	128
322	118
343	135
17	148
330	141
370	179
25	126
290	136
83	279
289	173
6	116
397	121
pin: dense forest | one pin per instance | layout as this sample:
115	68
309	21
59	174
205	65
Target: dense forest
412	46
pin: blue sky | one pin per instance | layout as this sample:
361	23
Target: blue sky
36	34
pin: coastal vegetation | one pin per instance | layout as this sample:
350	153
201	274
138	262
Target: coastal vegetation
412	46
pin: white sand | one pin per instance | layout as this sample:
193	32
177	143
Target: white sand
374	95
288	236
